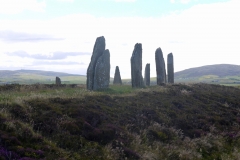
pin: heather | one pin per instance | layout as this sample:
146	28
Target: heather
178	121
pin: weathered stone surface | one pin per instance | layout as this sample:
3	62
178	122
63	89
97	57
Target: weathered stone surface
98	50
102	71
147	75
58	81
136	66
170	68
160	67
117	77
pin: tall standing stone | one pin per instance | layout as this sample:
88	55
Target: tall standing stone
170	68
160	67
147	75
58	81
98	50
117	77
102	71
136	66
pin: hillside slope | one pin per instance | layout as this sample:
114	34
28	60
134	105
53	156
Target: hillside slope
8	73
38	76
220	70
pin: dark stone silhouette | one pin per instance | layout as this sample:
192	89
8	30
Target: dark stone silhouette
117	77
136	66
98	50
102	71
160	67
58	81
170	68
147	75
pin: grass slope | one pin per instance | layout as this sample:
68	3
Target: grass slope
7	73
37	76
42	77
219	70
225	74
198	121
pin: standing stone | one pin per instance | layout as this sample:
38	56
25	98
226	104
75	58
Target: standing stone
98	50
136	66
170	68
160	67
117	77
58	81
102	71
147	75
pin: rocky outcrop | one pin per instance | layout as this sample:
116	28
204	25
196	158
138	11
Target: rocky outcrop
117	77
136	67
170	68
98	50
160	67
102	71
147	75
58	81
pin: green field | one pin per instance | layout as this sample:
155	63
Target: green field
34	78
42	79
210	79
224	74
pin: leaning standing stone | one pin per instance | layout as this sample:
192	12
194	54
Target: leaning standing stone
147	75
58	81
117	77
136	66
160	67
98	50
170	68
102	71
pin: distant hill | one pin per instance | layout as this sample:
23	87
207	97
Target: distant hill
218	74
38	76
225	74
7	73
220	70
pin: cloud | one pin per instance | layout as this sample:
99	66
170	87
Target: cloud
17	6
11	36
41	63
180	1
124	0
201	35
185	1
66	1
51	56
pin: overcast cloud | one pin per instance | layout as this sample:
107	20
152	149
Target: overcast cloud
49	63
202	34
11	36
17	6
51	56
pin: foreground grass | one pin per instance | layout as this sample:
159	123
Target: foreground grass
198	121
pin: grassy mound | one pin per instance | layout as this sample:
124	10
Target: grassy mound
198	121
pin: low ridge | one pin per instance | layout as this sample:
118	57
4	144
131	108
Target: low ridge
220	70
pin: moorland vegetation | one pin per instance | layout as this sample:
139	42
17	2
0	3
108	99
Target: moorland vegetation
173	122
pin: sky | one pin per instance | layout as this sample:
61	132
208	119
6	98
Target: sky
59	35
